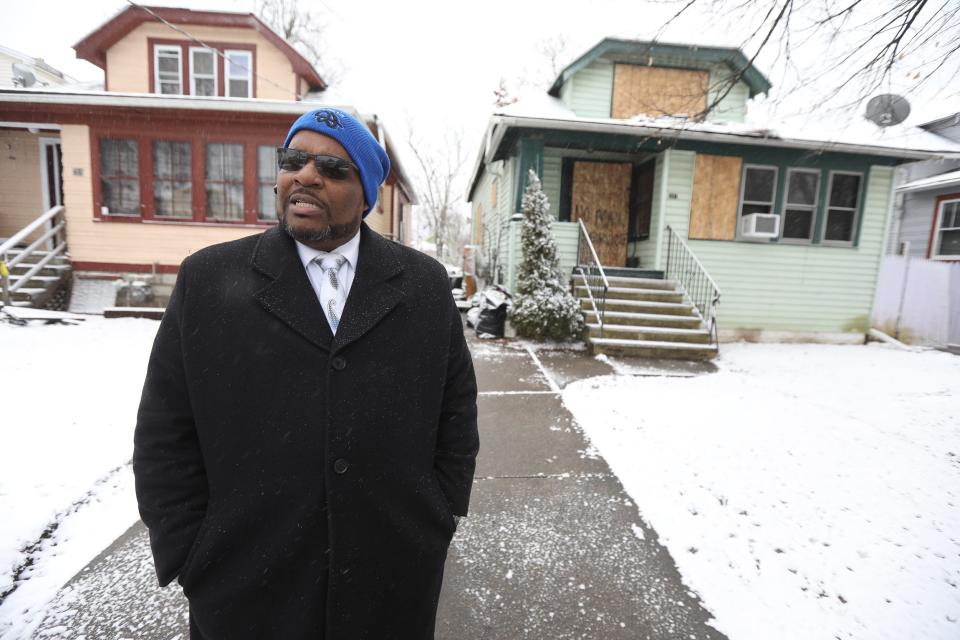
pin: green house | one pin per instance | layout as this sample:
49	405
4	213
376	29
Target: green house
653	173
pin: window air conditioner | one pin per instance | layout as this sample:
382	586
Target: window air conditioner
760	225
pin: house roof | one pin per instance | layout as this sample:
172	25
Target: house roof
641	51
941	181
51	101
903	143
950	118
93	47
35	62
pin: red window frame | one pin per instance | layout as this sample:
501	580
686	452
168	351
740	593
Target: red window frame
169	133
153	179
121	177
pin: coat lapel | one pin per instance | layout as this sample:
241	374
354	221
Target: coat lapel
290	296
371	296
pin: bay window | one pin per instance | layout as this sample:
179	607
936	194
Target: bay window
266	179
224	181
120	176
172	187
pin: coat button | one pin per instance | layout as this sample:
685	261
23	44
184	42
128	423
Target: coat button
338	363
341	466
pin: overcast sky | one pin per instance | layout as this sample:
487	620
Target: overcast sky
435	63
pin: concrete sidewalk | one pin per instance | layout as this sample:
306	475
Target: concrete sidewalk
553	547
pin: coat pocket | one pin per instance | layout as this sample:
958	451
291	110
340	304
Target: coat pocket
183	577
449	521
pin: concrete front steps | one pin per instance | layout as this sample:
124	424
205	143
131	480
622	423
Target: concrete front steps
41	287
646	317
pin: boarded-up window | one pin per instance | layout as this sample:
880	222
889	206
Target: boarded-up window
716	195
657	91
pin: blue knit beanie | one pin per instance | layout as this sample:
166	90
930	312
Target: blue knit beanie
364	150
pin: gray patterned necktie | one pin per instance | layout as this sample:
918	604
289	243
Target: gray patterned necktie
332	293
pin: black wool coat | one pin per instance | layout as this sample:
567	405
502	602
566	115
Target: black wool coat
300	484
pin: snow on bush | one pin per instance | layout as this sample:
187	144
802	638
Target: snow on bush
544	308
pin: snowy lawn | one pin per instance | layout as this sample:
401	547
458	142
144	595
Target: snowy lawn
70	401
805	491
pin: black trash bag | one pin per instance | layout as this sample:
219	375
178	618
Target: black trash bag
492	319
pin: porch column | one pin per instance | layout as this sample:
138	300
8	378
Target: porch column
530	156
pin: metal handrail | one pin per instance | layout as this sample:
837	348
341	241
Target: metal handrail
591	261
58	246
683	266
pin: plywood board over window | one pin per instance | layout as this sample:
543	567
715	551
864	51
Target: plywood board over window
716	192
601	198
657	91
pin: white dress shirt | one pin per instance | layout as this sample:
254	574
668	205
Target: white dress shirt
349	250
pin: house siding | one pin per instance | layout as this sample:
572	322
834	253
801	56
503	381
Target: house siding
116	242
20	182
917	221
591	91
733	106
566	235
552	170
782	287
128	61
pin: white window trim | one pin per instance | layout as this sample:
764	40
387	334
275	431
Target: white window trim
743	188
226	72
856	211
786	205
166	48
936	233
193	74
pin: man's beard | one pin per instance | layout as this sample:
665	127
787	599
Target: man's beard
330	232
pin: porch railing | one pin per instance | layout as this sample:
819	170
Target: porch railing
55	239
684	267
591	272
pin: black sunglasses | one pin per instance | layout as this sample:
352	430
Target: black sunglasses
330	167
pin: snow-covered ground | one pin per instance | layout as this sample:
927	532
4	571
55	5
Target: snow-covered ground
66	491
805	491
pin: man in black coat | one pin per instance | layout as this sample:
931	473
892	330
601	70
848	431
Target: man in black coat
307	435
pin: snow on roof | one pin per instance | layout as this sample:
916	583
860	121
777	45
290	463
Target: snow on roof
948	179
839	134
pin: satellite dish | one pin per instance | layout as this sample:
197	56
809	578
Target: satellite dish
23	75
887	109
